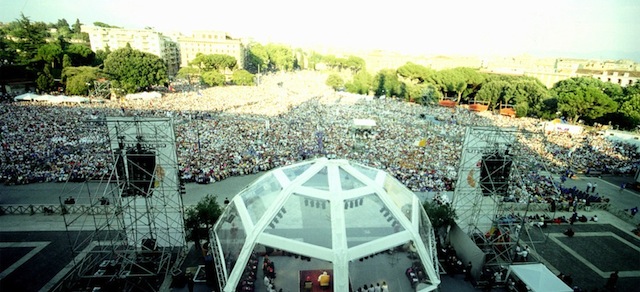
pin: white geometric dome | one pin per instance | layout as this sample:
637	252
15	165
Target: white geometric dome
334	211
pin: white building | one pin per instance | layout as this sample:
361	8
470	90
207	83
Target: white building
145	40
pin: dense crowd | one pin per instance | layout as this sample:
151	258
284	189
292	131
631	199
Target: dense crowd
288	117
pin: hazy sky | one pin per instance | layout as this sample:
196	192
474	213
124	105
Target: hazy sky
565	28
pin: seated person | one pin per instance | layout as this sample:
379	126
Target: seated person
324	279
594	218
308	284
569	232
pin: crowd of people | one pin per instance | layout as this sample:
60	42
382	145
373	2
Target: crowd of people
288	117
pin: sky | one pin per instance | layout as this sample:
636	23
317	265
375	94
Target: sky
598	29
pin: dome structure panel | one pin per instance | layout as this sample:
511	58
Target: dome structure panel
231	235
400	195
367	219
259	196
305	219
367	171
294	171
348	181
319	180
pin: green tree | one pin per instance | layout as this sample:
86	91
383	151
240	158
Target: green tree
78	80
242	77
63	27
200	218
355	63
583	97
45	81
415	73
257	59
360	84
631	110
26	37
66	61
80	54
218	62
135	70
494	93
280	57
314	59
100	56
335	81
386	83
77	27
50	54
188	73
213	78
440	215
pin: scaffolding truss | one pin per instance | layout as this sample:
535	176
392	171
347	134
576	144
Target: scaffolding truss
491	197
133	233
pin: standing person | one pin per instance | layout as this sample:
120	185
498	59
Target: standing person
622	187
190	282
612	281
593	188
467	273
385	287
589	186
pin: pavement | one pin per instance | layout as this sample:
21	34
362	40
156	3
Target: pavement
35	250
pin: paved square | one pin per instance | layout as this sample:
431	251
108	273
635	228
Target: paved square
10	255
607	252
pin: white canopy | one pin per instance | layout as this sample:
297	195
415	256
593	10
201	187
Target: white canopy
364	123
538	278
143	95
50	98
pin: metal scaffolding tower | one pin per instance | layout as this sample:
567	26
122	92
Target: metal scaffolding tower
492	198
131	233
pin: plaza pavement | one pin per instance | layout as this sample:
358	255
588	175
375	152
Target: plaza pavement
34	249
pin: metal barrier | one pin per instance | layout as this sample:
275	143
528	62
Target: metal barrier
55	209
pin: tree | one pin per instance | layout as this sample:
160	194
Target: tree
213	78
242	77
100	56
354	63
50	54
583	97
440	215
188	73
63	27
280	57
414	72
201	217
45	81
387	83
26	37
77	27
78	80
66	61
335	81
360	84
210	62
135	70
631	110
257	58
80	54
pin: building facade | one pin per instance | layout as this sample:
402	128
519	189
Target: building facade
145	40
208	43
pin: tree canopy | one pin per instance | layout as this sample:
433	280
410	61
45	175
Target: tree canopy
583	97
135	70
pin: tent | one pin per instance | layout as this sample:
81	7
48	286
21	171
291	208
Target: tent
538	278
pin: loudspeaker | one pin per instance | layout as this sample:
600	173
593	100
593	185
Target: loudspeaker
149	244
138	172
494	173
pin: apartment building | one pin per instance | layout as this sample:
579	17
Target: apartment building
145	40
208	43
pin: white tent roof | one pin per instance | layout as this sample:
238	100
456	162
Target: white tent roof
538	278
316	208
